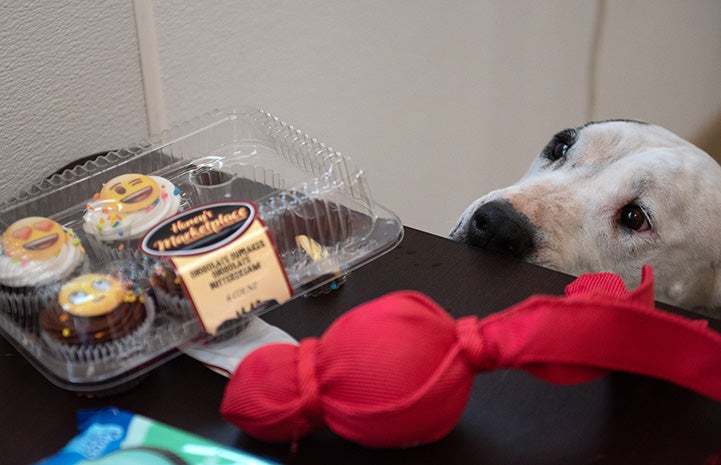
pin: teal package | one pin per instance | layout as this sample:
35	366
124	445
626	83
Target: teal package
113	436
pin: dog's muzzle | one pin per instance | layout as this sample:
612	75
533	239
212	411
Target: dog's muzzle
498	227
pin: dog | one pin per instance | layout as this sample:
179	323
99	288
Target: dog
613	196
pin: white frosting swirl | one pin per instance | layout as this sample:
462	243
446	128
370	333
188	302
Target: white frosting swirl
106	225
15	272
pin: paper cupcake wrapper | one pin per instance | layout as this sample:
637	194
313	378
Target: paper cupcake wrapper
23	309
176	305
23	305
108	251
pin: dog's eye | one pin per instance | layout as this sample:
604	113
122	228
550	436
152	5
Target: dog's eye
633	217
560	144
560	150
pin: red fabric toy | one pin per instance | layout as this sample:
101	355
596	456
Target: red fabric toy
397	371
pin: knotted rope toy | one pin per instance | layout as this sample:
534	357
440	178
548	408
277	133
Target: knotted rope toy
397	371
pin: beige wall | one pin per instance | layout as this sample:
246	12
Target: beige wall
438	101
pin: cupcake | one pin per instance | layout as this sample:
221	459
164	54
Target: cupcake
126	208
308	235
168	290
327	223
35	253
96	316
330	277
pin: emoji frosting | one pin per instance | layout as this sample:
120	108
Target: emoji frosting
129	205
91	295
36	251
130	193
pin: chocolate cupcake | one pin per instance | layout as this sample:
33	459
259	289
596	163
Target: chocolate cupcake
327	223
309	234
96	316
125	209
164	279
36	254
169	291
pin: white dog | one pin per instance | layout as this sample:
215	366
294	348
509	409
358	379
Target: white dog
613	196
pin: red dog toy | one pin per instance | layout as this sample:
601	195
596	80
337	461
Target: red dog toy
397	371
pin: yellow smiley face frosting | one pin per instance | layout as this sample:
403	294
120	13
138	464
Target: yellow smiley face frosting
130	193
91	295
33	238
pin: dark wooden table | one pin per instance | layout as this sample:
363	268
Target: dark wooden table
511	418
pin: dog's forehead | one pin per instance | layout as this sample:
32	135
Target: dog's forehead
607	141
622	159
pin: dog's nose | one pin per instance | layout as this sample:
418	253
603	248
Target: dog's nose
499	227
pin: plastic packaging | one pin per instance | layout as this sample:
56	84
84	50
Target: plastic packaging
114	436
254	213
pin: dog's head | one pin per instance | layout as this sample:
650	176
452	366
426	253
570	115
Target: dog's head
612	196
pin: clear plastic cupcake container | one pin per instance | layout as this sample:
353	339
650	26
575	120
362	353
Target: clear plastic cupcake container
243	211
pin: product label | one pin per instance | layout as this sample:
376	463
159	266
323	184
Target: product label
225	258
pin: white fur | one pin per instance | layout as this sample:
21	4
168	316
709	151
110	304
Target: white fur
574	207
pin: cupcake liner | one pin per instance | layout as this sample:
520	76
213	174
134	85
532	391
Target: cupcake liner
22	309
22	305
108	251
176	305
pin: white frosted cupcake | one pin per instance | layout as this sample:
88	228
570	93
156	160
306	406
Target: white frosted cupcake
35	253
125	209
